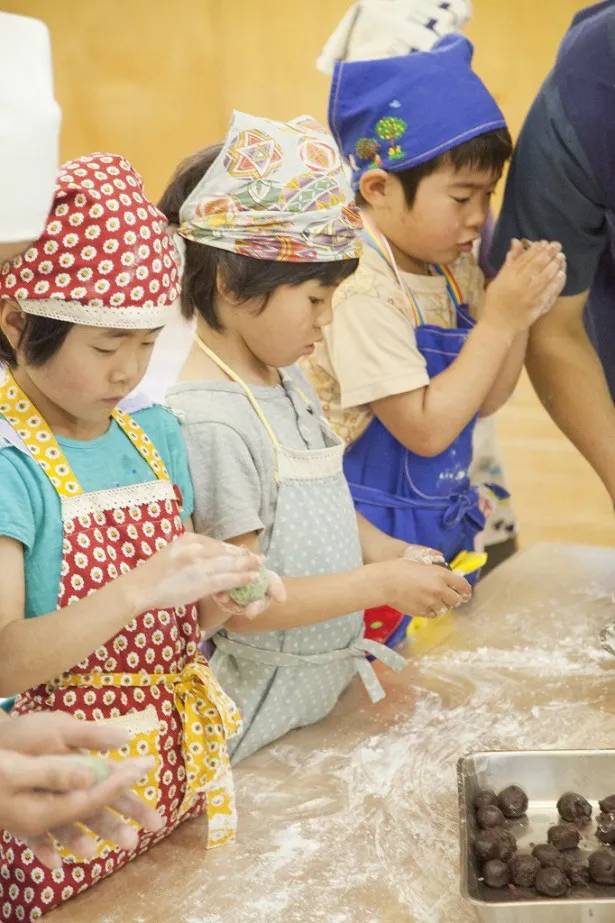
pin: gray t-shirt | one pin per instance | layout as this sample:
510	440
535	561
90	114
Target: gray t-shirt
231	455
552	194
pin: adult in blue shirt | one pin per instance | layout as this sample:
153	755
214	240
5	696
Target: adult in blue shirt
562	185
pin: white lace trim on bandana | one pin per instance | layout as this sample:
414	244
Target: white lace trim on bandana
129	318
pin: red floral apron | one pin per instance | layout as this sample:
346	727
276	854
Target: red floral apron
150	677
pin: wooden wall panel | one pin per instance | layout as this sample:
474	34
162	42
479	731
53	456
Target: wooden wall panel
156	80
142	79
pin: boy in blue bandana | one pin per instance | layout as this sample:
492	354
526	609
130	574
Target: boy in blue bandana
417	351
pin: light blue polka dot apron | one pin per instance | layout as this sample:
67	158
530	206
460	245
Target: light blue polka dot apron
288	679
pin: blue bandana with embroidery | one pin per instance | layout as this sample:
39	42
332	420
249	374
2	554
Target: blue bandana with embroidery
399	112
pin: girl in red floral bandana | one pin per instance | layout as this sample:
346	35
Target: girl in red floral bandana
100	568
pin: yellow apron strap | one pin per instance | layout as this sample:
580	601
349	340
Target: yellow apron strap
36	435
234	377
142	443
38	438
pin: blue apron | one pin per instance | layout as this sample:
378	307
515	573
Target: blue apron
585	75
425	501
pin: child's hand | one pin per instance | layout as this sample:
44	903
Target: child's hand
276	592
423	554
425	590
191	568
526	287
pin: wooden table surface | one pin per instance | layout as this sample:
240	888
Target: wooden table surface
355	820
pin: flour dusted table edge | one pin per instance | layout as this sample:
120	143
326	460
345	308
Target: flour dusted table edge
355	820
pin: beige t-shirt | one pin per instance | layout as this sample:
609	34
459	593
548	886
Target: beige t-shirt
370	349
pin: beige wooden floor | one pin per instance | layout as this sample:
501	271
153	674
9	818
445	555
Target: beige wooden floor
557	496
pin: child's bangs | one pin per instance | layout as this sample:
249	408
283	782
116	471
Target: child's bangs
488	152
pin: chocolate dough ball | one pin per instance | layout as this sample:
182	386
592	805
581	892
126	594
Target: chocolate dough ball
495	844
490	817
574	808
513	801
549	857
496	874
577	873
523	870
607	806
602	867
485	799
605	828
551	883
564	836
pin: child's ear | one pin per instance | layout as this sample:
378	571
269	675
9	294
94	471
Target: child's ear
12	321
375	187
224	291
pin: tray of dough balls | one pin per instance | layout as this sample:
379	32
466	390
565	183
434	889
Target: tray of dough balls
538	835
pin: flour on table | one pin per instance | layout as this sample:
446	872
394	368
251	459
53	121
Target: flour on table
359	815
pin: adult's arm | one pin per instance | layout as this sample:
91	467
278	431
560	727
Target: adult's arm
570	382
552	193
39	793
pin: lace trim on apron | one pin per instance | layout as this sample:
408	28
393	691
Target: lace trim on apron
116	498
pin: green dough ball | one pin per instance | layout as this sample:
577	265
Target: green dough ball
244	595
99	768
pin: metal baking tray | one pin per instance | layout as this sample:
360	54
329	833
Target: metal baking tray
544	775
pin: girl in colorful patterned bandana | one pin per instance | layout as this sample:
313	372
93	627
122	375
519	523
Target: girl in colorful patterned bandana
270	230
98	578
416	351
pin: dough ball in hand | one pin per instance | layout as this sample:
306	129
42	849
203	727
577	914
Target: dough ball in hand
244	595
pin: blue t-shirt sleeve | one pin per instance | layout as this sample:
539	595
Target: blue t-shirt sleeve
17	518
551	193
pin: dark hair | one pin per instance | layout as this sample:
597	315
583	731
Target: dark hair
244	276
41	339
485	152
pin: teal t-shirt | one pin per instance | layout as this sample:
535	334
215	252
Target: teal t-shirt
30	506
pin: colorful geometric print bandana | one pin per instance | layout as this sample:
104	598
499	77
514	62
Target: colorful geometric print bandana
275	192
397	113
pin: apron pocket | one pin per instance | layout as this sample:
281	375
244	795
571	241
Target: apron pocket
144	729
